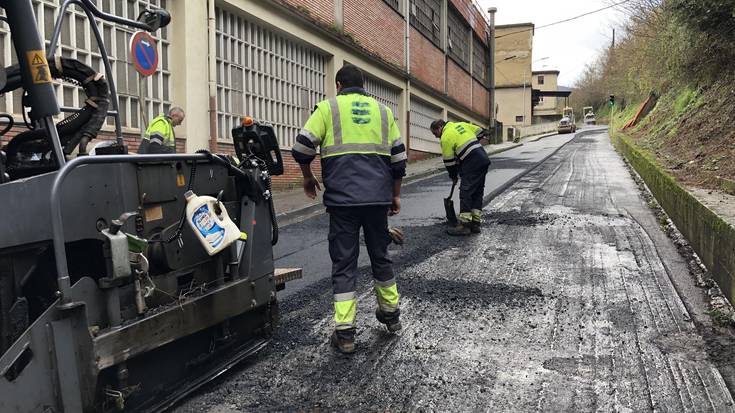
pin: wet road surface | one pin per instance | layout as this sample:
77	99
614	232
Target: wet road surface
304	244
566	302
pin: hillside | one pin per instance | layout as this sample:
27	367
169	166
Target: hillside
691	132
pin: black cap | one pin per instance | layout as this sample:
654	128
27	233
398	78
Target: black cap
437	124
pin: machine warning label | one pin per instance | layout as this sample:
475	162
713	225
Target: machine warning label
38	65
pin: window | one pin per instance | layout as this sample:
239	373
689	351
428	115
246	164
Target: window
77	41
458	37
422	114
541	80
395	5
265	75
479	61
519	118
426	18
383	93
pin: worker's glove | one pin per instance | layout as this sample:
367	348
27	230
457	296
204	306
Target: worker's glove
396	235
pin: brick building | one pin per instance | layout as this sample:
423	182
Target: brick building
274	60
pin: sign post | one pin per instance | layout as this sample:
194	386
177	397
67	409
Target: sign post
144	54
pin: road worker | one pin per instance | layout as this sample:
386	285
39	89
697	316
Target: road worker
363	162
160	137
464	157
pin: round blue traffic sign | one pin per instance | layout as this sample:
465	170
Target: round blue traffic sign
144	53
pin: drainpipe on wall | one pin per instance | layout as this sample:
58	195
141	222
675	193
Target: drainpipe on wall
407	45
212	56
491	75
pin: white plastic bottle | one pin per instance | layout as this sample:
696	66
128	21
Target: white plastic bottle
216	232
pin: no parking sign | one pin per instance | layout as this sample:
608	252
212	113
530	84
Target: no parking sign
144	53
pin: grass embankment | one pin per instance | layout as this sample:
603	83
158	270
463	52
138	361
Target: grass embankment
690	133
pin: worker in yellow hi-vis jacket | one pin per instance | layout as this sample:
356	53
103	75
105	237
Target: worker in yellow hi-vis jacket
160	137
464	157
363	163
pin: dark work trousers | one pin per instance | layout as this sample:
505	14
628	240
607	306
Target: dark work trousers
344	244
472	188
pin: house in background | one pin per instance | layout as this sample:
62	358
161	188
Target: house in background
549	98
513	76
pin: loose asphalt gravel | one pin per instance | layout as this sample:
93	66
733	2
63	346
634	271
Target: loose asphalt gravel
568	301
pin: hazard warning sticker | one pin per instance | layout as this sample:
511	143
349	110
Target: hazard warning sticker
38	65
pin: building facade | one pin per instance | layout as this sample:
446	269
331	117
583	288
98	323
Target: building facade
513	75
548	108
275	59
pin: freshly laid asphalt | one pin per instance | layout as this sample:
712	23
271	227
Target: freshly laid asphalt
572	299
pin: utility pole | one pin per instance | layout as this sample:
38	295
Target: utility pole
613	39
491	71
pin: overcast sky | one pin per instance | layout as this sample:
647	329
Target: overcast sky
570	45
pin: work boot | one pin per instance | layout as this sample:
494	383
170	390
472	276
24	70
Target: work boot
475	227
461	229
344	340
391	320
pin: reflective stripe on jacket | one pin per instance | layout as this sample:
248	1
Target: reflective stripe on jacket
460	148
361	149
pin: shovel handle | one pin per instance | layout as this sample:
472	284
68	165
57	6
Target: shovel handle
452	191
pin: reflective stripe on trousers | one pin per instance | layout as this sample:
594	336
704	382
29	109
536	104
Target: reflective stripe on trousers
345	310
387	295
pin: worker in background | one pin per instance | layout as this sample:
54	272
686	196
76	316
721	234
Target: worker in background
464	157
160	137
363	162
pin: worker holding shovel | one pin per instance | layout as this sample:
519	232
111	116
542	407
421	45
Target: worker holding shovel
464	157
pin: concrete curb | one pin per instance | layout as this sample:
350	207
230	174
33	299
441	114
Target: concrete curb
712	238
492	195
545	135
311	209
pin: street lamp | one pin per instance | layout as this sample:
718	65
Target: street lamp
491	74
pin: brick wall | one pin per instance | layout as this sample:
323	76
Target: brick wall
459	83
414	155
376	27
291	171
472	16
480	98
321	10
427	61
131	140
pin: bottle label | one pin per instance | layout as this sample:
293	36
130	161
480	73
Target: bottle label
210	230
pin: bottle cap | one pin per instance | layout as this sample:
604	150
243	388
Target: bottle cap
188	195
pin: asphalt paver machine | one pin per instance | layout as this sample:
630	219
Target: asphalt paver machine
108	302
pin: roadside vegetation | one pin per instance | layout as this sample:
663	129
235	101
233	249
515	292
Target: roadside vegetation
682	52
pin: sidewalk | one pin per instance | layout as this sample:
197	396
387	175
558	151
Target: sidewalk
291	204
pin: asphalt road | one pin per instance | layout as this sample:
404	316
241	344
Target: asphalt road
568	301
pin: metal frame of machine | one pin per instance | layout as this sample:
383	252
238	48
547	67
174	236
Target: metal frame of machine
107	300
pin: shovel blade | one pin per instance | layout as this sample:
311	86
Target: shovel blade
449	209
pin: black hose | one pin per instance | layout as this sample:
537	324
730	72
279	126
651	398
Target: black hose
10	124
83	125
274	218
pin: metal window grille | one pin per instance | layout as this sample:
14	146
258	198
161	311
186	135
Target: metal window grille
264	75
384	94
455	118
395	5
77	41
426	18
479	61
422	114
459	38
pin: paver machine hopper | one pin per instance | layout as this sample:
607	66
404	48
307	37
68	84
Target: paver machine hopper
108	302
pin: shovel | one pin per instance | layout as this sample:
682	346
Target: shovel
449	207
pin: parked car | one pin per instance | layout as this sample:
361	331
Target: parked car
566	126
589	119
